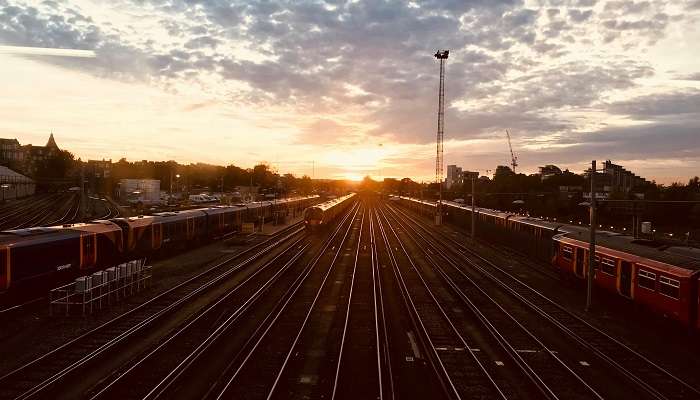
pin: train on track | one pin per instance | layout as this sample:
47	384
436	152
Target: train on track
30	254
663	278
320	215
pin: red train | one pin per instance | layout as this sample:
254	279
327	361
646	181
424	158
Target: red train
664	279
28	256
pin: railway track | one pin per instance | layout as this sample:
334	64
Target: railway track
154	371
42	376
266	373
649	378
549	374
462	372
68	216
365	339
27	213
386	306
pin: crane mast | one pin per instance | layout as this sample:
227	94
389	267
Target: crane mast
513	157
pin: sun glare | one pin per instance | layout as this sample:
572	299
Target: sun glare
350	176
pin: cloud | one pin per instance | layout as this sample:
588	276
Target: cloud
675	104
579	16
627	7
695	76
362	70
44	51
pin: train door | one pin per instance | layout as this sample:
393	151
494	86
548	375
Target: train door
4	268
579	261
88	250
189	229
626	278
157	235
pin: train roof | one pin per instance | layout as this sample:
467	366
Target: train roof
46	233
331	203
538	222
178	215
138	221
682	257
452	204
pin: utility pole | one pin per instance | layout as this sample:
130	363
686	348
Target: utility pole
170	196
591	247
81	205
442	56
473	212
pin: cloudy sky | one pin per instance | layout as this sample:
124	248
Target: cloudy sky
347	88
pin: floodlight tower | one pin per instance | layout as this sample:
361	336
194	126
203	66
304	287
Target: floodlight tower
441	55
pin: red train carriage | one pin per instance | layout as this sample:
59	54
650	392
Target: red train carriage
223	220
664	281
140	237
27	254
178	228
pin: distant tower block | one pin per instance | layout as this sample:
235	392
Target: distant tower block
441	55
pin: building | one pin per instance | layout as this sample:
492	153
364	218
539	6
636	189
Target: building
614	179
11	152
618	179
99	168
28	157
139	191
454	176
14	185
467	176
35	155
549	171
97	175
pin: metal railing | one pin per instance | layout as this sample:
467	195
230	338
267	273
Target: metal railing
101	289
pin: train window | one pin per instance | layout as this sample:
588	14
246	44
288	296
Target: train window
646	279
669	287
166	231
609	266
567	253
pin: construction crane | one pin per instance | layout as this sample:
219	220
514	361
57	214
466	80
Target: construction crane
441	55
513	157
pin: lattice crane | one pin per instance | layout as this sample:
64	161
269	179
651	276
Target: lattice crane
513	157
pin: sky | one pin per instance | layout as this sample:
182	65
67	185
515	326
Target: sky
342	89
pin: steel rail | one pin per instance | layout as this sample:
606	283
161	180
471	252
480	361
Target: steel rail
641	382
347	317
527	369
265	326
383	341
134	329
434	299
266	245
433	358
23	208
63	217
37	209
313	305
174	374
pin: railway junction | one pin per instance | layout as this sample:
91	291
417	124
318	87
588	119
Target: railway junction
372	302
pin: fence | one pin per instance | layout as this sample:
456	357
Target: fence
102	288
